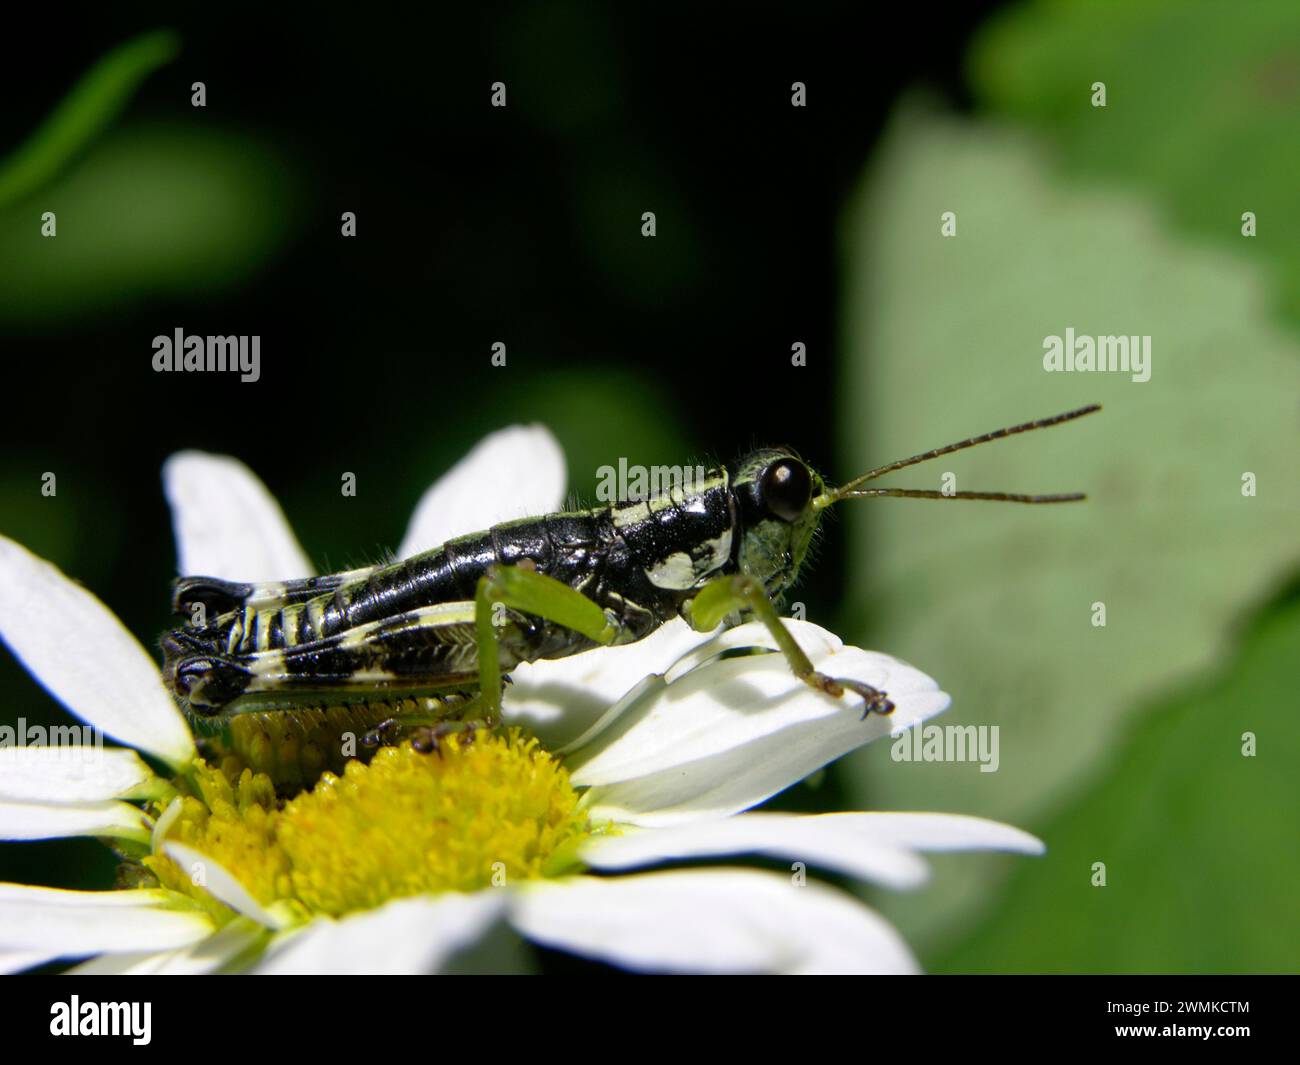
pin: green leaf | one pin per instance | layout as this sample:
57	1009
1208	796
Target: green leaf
1198	841
150	211
92	104
1202	108
945	339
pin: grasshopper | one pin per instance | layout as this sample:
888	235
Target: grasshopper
449	623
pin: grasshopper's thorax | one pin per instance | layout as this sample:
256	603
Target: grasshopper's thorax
773	491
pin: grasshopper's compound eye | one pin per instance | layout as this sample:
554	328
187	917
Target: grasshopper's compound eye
786	487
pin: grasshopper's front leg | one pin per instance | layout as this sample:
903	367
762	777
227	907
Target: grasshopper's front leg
725	595
522	588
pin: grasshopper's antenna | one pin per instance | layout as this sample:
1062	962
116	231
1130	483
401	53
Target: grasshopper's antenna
852	490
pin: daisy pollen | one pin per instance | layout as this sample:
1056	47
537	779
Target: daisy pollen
485	809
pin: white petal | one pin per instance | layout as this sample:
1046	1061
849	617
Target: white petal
711	921
226	522
840	842
560	700
517	472
69	774
16	961
945	832
405	936
76	647
77	923
734	732
221	884
139	898
44	821
872	846
206	956
163	826
733	701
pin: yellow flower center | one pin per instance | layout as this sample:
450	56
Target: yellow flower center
486	809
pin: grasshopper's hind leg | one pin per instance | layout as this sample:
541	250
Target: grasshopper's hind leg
725	595
521	588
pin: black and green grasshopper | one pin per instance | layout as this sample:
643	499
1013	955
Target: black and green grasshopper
454	619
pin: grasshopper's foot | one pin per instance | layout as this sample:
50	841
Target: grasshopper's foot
876	701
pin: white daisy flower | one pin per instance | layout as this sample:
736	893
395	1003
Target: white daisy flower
612	762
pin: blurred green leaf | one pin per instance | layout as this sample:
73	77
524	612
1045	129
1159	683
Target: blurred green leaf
1202	111
167	210
1198	841
92	104
945	340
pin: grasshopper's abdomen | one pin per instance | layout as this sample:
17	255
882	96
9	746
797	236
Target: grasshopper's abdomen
254	628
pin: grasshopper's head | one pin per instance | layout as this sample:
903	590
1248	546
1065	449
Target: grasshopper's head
780	499
774	492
